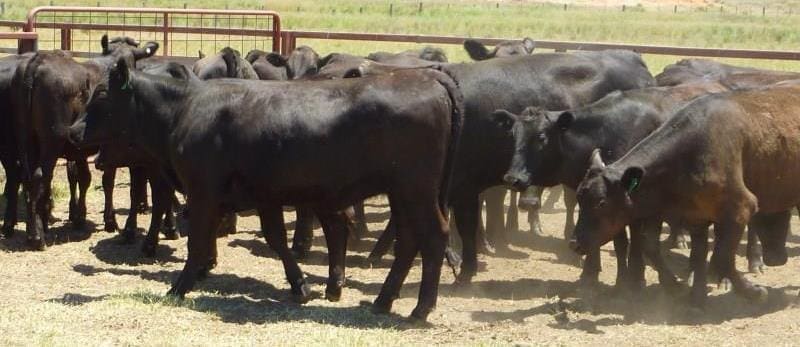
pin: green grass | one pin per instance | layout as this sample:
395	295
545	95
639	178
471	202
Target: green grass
694	27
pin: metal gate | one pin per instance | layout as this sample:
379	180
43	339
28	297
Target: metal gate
179	32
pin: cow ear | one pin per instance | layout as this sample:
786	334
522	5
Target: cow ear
529	44
504	119
565	120
596	161
276	59
476	50
253	55
147	51
178	71
632	178
200	54
104	44
119	77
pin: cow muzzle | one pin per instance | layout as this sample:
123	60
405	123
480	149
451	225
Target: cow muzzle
517	180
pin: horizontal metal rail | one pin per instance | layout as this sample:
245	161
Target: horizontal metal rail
289	42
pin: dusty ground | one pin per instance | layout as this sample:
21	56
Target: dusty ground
86	289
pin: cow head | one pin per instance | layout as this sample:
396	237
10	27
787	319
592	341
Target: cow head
109	113
537	150
303	62
128	48
605	202
433	54
477	51
772	231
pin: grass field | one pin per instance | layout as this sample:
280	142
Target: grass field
739	24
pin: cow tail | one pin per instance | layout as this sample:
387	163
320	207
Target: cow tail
449	82
26	74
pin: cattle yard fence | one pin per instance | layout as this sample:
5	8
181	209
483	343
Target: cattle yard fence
183	32
179	32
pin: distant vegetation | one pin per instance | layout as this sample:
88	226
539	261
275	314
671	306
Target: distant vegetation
732	24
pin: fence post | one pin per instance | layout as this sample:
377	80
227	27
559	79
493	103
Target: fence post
165	49
391	9
420	8
764	11
25	46
185	6
66	39
565	7
2	8
623	8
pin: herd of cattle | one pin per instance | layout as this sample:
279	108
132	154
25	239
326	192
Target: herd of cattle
701	143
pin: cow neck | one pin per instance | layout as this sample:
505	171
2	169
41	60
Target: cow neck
158	101
658	154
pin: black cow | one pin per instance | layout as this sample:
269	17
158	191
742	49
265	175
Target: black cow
265	70
236	144
554	81
728	159
227	63
477	51
42	124
9	156
553	147
410	57
303	62
703	70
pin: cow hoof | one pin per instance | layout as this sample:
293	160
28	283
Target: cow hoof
37	244
485	248
419	316
464	278
756	266
304	295
171	234
724	285
333	294
111	226
379	307
149	249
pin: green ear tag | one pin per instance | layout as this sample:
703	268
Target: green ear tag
127	85
633	186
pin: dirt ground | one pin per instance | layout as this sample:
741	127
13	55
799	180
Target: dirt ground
87	289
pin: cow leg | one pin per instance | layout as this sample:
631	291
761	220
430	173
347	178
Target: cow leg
132	224
336	228
39	201
385	241
552	198
275	234
495	225
139	189
84	181
530	201
360	220
405	249
432	227
109	219
162	205
635	276
202	244
652	249
303	232
512	216
228	224
72	180
570	201
728	234
170	226
11	193
699	268
465	212
755	264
